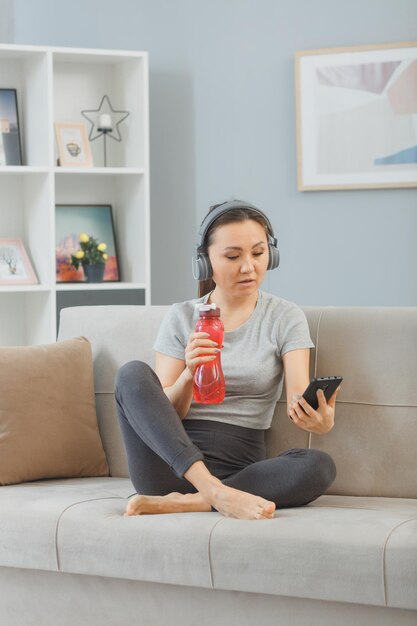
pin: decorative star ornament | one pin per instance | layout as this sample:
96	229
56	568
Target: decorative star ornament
117	118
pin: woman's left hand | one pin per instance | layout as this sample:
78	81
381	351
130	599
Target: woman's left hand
318	421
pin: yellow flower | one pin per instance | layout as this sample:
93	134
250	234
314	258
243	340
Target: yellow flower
105	256
102	247
79	254
84	238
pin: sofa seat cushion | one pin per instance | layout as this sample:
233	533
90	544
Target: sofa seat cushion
95	538
30	514
338	548
77	526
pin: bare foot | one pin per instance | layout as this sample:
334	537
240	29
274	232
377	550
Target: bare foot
228	501
232	502
171	503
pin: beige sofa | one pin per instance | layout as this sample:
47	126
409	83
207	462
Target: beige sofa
69	557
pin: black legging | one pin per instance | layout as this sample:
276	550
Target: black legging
161	447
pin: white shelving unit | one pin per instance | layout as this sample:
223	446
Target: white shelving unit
55	85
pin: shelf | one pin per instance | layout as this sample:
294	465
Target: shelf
95	56
81	80
119	171
23	169
95	286
24	288
27	317
25	213
55	85
9	50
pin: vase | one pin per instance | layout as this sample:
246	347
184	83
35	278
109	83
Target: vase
94	272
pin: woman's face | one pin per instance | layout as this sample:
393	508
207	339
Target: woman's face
239	257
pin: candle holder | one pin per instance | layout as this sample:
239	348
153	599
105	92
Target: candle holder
103	124
104	130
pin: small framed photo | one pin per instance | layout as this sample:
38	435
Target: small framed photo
92	221
73	145
15	266
10	146
356	117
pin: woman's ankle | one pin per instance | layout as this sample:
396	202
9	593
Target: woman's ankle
199	476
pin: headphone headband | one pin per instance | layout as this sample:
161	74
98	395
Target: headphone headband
228	206
202	269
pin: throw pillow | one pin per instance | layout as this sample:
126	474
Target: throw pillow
48	421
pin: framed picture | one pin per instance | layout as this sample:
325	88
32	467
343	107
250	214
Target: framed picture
10	147
357	117
15	267
93	220
73	145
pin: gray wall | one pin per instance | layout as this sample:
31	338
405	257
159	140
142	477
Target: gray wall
223	125
6	21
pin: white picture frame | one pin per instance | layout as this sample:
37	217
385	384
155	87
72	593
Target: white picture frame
356	112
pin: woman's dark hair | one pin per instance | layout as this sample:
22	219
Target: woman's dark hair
234	215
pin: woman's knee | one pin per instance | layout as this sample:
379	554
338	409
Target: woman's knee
132	372
324	467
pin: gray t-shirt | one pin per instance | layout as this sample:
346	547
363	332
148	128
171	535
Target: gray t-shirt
251	357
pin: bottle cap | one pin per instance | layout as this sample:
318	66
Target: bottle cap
205	307
208	309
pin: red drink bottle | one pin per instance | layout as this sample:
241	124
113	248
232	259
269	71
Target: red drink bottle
208	385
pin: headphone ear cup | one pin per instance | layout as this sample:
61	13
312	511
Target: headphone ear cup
202	269
273	261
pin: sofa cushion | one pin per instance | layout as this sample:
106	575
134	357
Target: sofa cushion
48	422
118	334
78	526
338	548
30	515
94	537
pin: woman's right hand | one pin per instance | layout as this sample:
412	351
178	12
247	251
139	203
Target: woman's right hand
199	344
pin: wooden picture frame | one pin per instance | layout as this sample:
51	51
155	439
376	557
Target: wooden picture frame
95	220
356	111
10	142
15	266
73	145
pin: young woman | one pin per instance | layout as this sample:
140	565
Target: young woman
185	456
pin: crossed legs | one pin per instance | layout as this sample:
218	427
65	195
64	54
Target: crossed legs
169	473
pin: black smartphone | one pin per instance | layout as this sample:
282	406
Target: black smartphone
329	384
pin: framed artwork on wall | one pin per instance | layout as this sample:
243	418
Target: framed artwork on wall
10	146
356	111
15	266
73	145
85	232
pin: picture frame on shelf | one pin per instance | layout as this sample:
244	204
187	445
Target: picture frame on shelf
73	145
356	117
10	143
15	266
93	220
